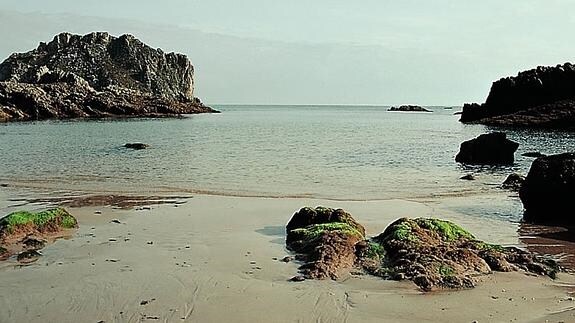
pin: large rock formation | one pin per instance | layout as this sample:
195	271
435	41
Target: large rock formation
488	149
432	253
96	75
542	97
548	190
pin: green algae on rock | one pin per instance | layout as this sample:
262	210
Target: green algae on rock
45	221
437	253
326	239
23	232
432	253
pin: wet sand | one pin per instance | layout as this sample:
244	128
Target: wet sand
213	259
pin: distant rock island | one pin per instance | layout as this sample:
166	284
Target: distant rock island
541	97
96	76
409	108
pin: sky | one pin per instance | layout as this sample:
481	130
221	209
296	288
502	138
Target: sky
439	52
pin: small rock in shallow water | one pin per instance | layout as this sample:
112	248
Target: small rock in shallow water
28	256
468	177
287	259
298	278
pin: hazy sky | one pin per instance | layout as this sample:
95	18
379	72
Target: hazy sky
438	52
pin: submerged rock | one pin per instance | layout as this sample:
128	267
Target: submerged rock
430	252
327	238
96	75
548	190
409	108
28	231
541	97
468	177
488	149
136	146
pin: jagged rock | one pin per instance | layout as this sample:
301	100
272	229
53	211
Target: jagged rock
136	146
488	149
547	192
96	75
513	182
542	97
409	108
327	239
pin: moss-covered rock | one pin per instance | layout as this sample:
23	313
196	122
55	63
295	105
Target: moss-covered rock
24	231
432	253
326	240
438	253
28	222
311	216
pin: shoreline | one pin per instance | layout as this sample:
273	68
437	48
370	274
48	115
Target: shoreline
212	259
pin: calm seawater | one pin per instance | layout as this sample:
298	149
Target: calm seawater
351	152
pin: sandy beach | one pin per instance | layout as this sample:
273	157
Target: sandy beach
215	259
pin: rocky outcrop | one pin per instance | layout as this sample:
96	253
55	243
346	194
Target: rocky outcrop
409	108
439	254
96	75
325	238
488	149
548	190
542	97
24	233
430	252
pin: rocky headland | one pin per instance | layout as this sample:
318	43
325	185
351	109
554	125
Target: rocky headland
542	97
96	76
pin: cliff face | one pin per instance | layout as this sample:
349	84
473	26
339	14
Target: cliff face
96	75
544	96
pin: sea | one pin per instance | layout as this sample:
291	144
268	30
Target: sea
328	152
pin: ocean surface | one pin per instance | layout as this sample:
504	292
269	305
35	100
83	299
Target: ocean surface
333	152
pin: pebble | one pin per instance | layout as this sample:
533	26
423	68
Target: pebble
287	259
298	278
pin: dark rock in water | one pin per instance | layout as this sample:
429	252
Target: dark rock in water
409	108
28	256
513	182
327	239
534	154
430	252
541	97
136	146
488	149
468	177
547	193
96	75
